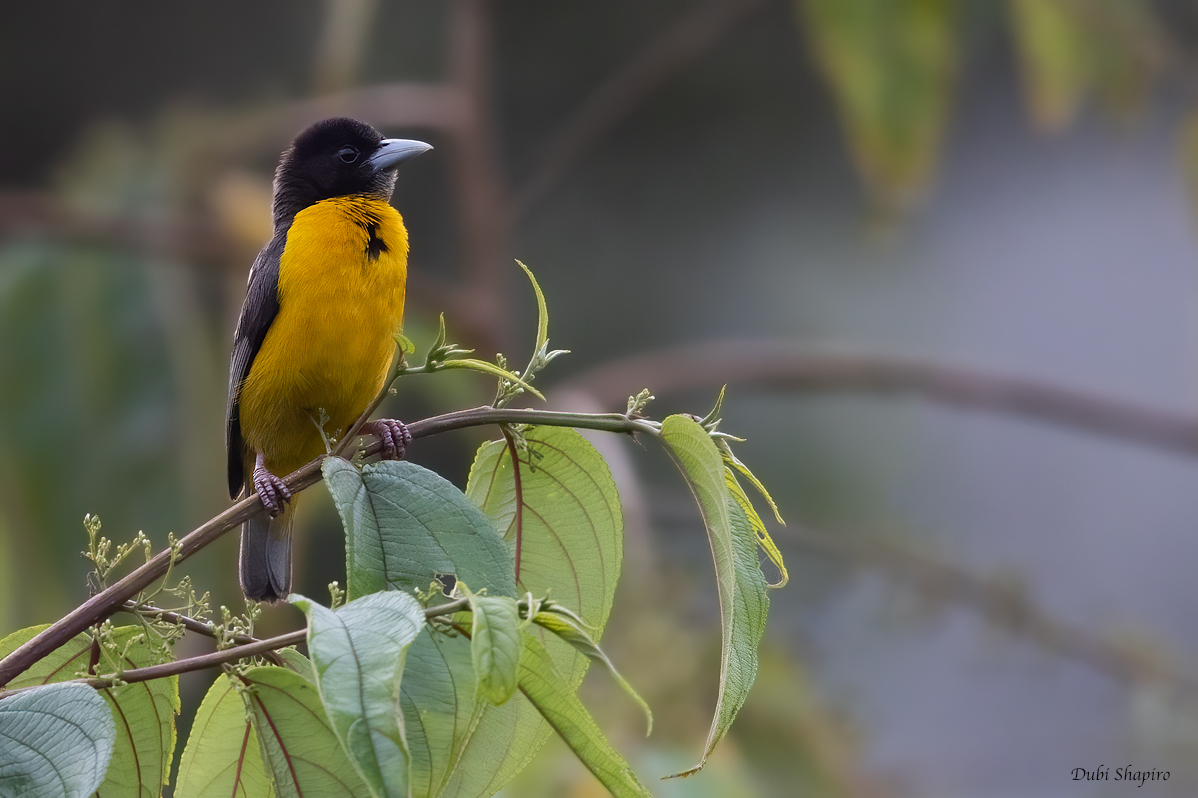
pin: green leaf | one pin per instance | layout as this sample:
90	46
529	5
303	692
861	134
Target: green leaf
405	525
405	344
68	661
222	758
440	708
571	522
744	605
542	311
145	734
297	662
572	546
57	740
555	699
567	628
358	654
474	364
298	744
442	355
439	341
541	356
146	711
890	66
495	645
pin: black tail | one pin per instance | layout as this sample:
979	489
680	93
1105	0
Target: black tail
266	555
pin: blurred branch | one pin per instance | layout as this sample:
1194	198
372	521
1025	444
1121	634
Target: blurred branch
1003	605
780	365
633	84
40	214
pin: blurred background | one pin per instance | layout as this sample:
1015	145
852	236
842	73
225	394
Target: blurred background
941	252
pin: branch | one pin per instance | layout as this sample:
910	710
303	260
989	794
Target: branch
111	599
781	365
227	655
187	622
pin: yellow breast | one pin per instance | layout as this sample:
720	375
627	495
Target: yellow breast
341	295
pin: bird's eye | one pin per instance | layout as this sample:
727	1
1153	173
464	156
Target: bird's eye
348	154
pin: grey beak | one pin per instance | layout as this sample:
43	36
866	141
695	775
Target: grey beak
392	152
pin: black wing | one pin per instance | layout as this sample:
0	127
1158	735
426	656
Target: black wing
261	306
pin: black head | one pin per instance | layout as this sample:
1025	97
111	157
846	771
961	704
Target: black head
334	158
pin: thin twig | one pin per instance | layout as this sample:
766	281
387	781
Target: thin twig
204	661
800	369
191	624
257	647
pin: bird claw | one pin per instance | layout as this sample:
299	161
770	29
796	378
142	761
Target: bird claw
272	490
394	436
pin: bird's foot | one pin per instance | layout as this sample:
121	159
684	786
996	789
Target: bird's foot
394	436
271	489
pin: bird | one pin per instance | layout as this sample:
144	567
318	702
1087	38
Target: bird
316	335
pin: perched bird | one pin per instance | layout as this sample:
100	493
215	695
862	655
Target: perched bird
315	339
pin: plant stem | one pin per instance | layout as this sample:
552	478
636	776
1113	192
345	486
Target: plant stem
188	623
229	654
